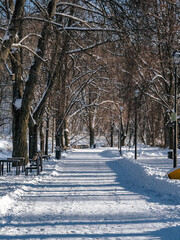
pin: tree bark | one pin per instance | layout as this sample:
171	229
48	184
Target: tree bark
91	128
91	135
112	133
33	138
47	135
41	137
53	136
21	117
19	134
66	133
20	122
59	134
13	29
55	70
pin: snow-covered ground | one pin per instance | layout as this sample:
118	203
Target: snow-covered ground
92	194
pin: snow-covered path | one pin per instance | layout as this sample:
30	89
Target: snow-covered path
86	195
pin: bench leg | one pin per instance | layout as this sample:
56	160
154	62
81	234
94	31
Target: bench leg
1	168
37	166
9	167
41	163
17	168
23	167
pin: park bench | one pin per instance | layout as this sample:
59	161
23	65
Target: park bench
12	162
36	163
17	162
82	146
46	157
22	162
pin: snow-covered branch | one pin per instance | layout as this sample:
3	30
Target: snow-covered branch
61	27
18	45
28	36
81	49
97	11
81	109
76	94
74	18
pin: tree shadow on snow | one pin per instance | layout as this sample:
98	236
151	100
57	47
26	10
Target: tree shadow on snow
144	185
166	233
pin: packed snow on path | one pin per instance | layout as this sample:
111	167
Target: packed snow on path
93	194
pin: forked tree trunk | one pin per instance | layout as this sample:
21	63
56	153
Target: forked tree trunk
58	58
21	116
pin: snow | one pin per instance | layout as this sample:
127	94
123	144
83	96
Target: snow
6	37
18	103
92	194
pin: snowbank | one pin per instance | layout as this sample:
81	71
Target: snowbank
149	171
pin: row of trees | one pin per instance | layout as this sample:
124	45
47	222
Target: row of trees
73	64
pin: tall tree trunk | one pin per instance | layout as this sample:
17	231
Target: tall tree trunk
58	139
41	137
168	133
112	133
57	57
170	138
20	121
59	134
53	136
33	138
66	133
47	135
91	136
20	127
91	128
12	31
